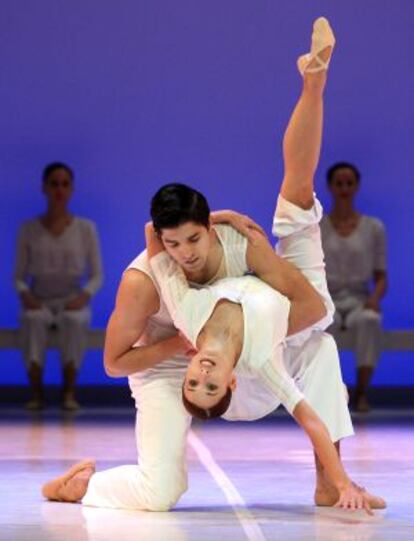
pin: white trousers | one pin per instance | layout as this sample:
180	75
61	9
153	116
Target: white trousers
365	327
160	478
71	327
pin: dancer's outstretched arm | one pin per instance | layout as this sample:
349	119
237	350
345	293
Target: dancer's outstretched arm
350	496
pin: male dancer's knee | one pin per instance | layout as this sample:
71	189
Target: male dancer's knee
164	493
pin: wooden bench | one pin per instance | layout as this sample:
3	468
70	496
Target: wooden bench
9	339
395	340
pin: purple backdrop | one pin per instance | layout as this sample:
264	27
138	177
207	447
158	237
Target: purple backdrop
134	94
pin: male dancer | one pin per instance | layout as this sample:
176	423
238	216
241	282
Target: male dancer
156	368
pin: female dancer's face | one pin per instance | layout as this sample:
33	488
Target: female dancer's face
58	188
344	185
189	244
207	380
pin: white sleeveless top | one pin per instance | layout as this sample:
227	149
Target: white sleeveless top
161	326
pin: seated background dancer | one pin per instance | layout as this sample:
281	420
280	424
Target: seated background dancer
356	269
58	271
157	364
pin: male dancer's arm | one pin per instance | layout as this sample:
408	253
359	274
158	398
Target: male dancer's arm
307	306
136	301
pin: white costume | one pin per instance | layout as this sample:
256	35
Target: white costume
350	265
162	422
54	268
263	382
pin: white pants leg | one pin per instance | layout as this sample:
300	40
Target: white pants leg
365	327
317	372
72	327
311	356
34	330
365	324
160	478
300	243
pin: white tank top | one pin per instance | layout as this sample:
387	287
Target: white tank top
160	325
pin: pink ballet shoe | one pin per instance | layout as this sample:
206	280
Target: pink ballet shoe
322	37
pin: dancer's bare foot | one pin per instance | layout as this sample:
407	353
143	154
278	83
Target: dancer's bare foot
72	485
69	403
35	404
327	496
361	404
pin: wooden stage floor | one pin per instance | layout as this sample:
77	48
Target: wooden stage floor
250	482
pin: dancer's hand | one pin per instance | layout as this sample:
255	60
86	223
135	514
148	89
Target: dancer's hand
188	348
353	497
154	244
78	302
373	304
181	345
29	301
242	223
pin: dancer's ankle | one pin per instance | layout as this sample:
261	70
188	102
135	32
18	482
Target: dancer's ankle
314	83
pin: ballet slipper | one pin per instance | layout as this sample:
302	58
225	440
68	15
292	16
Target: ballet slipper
322	38
62	490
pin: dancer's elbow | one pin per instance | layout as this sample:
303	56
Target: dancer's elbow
318	311
112	368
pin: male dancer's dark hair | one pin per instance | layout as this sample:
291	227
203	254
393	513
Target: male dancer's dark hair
211	413
176	204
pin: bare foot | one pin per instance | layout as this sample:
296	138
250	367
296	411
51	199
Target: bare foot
35	404
361	404
72	485
70	404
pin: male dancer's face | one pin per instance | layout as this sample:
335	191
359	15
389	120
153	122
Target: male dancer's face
189	244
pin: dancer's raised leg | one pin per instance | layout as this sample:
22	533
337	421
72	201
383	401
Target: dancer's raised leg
303	136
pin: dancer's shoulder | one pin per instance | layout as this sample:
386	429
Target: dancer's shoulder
141	263
229	236
374	224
